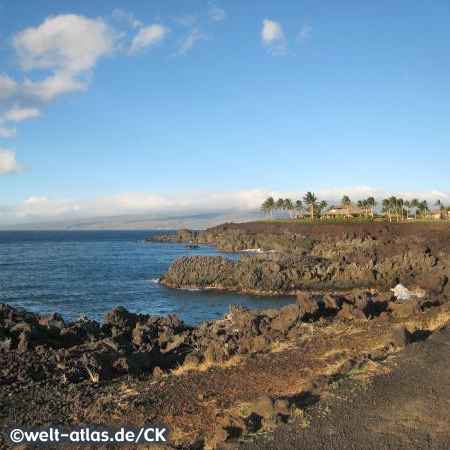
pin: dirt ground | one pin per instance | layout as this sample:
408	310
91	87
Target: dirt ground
317	229
405	408
193	402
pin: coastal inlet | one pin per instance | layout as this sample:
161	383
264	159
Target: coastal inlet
86	273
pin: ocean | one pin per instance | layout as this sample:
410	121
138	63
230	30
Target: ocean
86	273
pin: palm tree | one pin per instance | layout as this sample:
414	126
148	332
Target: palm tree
346	202
419	209
407	205
268	206
279	205
361	204
393	206
441	207
386	204
400	202
263	207
310	200
371	203
299	206
288	206
365	205
321	206
414	203
424	208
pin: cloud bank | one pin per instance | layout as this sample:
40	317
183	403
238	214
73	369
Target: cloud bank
35	209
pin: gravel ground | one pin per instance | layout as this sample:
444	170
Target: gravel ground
406	408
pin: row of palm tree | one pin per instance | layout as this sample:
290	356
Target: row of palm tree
368	205
401	208
310	204
392	206
270	205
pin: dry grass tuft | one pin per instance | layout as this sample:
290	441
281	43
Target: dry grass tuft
129	391
332	368
430	324
241	409
93	376
298	415
337	327
368	371
178	436
334	352
281	346
203	367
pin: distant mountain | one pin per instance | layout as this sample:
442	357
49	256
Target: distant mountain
193	220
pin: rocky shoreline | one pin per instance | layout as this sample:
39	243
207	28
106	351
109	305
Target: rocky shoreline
289	261
70	363
229	379
35	348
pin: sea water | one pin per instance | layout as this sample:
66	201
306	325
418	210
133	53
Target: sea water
86	273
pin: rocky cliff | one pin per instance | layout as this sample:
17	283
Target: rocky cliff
288	261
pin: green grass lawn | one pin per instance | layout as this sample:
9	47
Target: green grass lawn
353	220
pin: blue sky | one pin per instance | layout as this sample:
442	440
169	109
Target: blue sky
117	107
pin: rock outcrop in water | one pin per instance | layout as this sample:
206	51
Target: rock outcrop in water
291	262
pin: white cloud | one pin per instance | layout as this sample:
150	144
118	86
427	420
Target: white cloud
273	37
200	26
305	33
8	89
66	47
215	13
195	36
441	195
45	208
148	36
53	86
17	114
7	132
32	93
361	192
8	163
68	43
272	31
